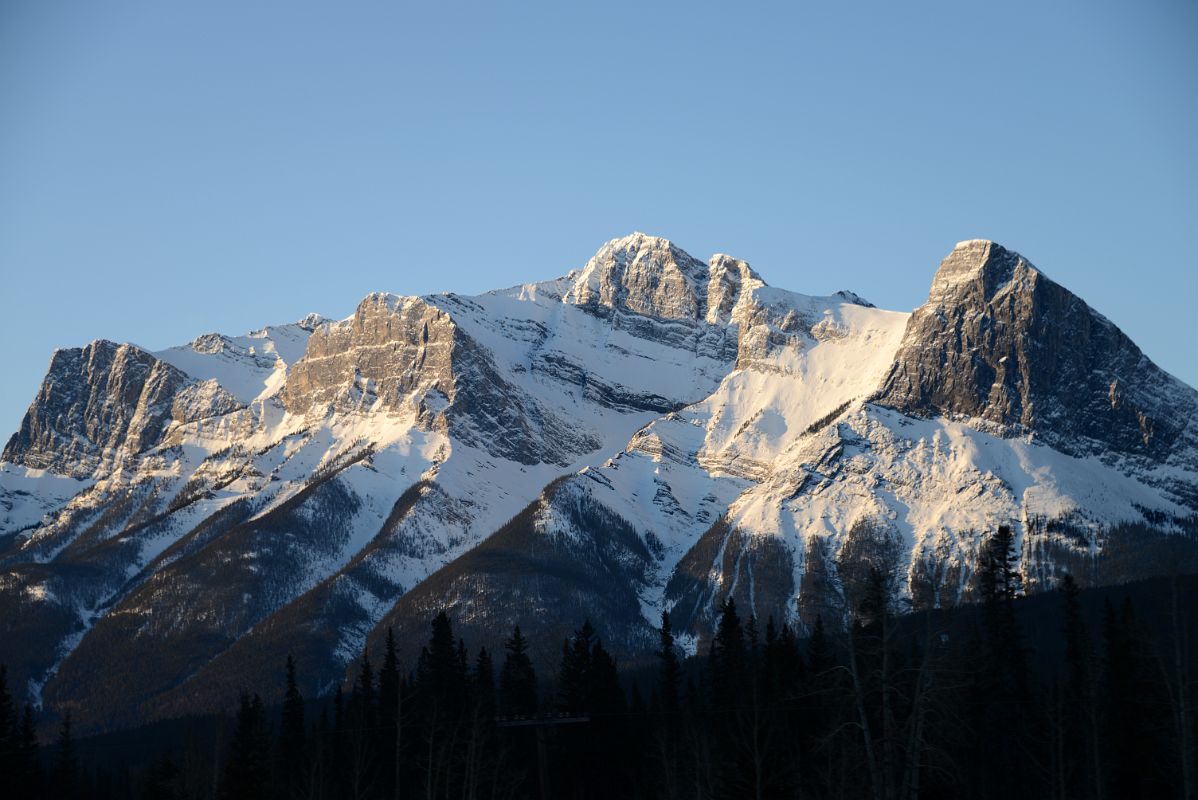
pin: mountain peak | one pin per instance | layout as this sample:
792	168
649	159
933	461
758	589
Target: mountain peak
980	264
653	277
646	275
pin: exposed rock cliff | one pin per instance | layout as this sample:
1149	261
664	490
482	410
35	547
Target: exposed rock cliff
999	341
104	403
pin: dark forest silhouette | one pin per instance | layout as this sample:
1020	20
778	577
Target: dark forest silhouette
872	703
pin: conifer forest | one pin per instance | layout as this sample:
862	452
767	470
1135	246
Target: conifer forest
1068	695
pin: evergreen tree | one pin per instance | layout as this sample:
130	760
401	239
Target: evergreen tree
603	691
728	657
247	768
162	779
339	750
1080	768
292	737
484	680
66	762
440	671
517	680
27	768
360	755
574	673
480	751
1001	690
9	726
390	716
819	649
441	690
668	669
362	705
321	764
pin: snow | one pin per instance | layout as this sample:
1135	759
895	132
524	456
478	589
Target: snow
249	367
28	495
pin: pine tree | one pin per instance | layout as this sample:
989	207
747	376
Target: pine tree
66	762
668	669
292	737
247	768
518	680
572	690
339	750
8	726
441	690
27	770
480	756
1002	689
362	695
162	779
1081	768
360	760
603	691
729	661
391	716
484	680
321	765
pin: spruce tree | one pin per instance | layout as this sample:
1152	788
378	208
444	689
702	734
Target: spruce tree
728	657
162	779
8	726
517	680
574	672
1082	765
603	691
668	668
247	768
360	755
362	705
390	715
292	737
484	680
1002	694
66	762
27	771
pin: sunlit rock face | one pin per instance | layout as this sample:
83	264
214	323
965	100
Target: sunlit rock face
101	404
999	341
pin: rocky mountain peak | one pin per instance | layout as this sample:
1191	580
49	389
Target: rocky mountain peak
97	404
645	275
1001	342
730	280
982	268
651	276
311	322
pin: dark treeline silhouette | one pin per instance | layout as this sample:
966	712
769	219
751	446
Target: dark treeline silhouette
870	703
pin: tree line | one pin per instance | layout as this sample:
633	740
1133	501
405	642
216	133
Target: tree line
875	704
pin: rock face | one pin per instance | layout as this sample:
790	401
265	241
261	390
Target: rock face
104	403
643	275
649	432
1001	342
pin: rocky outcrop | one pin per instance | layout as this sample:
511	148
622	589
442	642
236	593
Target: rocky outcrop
644	275
404	354
105	402
999	341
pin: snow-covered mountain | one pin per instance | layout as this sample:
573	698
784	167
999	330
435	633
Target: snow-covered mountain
648	432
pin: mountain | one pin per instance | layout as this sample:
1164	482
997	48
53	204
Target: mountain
648	432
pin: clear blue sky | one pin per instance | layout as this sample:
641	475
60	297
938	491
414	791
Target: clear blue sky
172	168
